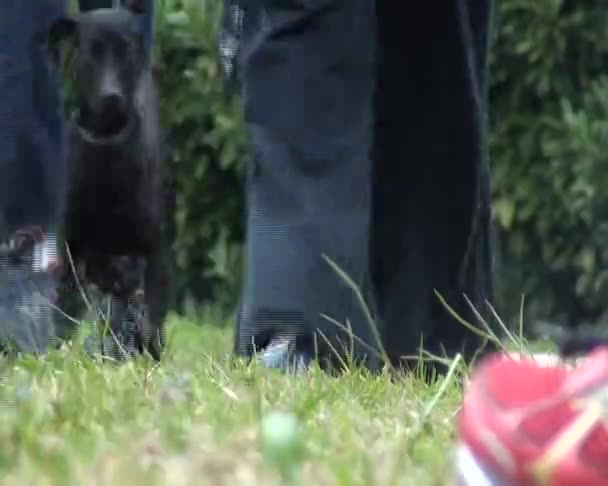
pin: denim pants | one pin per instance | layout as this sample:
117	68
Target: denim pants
367	126
32	147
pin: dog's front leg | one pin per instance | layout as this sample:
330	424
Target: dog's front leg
157	286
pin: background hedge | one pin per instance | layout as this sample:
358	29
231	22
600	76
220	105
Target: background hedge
549	102
549	154
208	148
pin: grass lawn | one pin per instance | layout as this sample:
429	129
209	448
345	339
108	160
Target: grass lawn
200	419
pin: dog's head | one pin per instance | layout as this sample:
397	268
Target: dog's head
110	60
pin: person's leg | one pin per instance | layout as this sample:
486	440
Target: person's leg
32	173
308	86
431	220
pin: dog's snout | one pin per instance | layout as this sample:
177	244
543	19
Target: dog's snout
111	101
110	94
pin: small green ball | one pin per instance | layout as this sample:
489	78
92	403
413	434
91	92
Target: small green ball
280	437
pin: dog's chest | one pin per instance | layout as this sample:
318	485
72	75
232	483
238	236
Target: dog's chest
107	179
110	197
110	194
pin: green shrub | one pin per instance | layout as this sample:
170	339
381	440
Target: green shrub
205	132
549	111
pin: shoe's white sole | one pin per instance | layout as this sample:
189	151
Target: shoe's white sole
278	355
471	472
549	359
45	253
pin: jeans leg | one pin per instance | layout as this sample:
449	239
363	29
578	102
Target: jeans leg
32	173
431	218
308	85
32	162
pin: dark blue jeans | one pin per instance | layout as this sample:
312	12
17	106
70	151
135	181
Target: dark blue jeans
32	148
367	121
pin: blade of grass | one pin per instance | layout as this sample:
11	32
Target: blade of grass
364	307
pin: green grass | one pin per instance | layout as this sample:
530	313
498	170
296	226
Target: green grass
197	419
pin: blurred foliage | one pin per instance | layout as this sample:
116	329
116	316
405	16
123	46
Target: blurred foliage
549	121
207	147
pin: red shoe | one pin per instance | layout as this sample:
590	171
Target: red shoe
523	424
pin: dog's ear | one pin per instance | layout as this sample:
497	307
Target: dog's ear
62	29
136	7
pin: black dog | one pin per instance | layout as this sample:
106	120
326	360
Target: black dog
116	208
